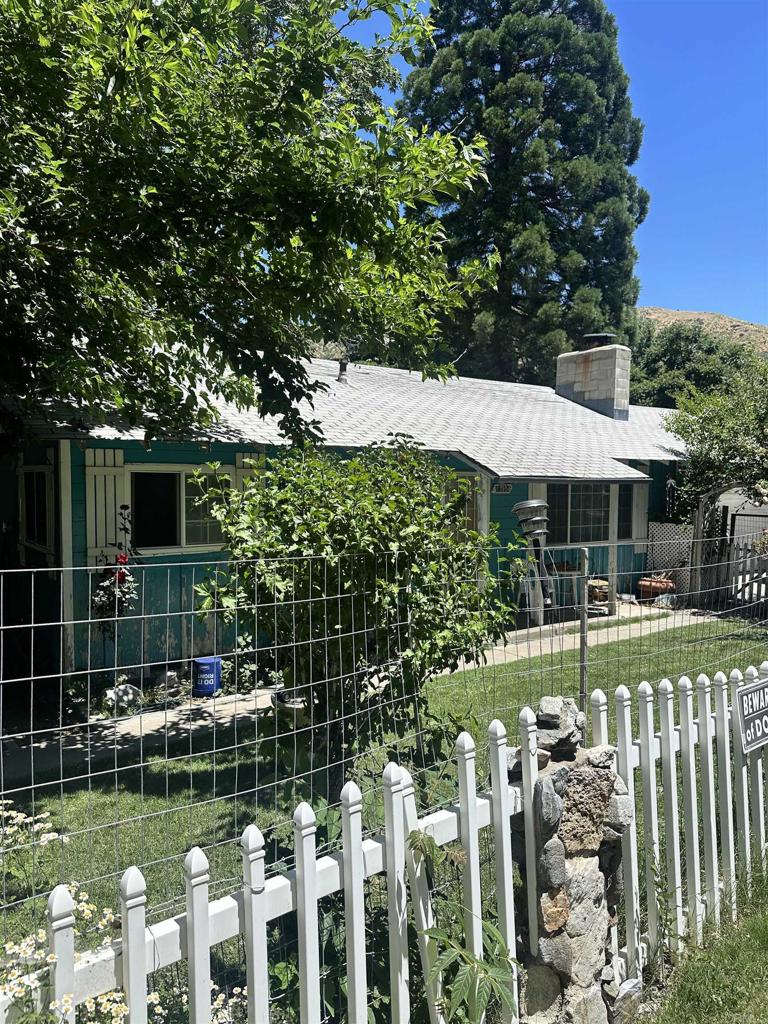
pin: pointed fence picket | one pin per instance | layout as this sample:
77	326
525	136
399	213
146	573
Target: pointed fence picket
718	823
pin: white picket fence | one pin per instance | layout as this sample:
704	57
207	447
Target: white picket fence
723	815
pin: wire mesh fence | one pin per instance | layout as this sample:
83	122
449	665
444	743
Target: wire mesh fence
143	712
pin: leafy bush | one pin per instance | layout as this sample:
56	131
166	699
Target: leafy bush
368	580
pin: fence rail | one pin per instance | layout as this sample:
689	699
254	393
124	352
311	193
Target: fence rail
690	782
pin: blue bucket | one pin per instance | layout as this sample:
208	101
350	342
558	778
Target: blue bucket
207	676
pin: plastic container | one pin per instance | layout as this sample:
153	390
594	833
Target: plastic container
207	676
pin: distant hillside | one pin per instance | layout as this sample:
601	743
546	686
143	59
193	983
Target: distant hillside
715	323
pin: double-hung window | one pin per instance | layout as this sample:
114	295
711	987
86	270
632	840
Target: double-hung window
171	508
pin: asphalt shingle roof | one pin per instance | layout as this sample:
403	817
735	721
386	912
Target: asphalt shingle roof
515	431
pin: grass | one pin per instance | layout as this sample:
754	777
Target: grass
151	814
600	625
500	690
727	980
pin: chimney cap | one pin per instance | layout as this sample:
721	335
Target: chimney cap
598	339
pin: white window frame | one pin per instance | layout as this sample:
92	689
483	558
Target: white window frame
181	470
50	522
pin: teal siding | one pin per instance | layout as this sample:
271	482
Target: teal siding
502	514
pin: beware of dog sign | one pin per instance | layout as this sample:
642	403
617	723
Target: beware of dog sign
752	701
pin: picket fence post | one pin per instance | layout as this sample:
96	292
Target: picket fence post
255	926
354	900
725	789
423	914
671	811
708	801
741	783
305	851
756	795
529	755
61	942
650	808
196	877
505	896
394	836
629	836
690	809
599	704
133	909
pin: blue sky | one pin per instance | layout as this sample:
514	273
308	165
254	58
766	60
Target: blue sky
699	81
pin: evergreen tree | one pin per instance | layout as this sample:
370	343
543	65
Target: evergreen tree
542	81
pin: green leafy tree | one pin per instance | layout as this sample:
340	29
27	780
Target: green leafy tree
361	579
725	434
668	362
543	82
193	192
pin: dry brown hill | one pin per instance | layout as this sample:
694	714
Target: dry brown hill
716	323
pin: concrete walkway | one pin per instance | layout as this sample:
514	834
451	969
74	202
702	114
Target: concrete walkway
607	629
201	726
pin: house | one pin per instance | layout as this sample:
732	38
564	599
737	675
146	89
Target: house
601	464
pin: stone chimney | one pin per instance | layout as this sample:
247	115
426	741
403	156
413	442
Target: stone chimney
597	376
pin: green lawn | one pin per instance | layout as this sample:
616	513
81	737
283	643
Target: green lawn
500	690
727	980
151	815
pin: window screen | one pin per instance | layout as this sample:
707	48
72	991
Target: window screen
36	508
155	510
200	527
557	499
589	512
625	511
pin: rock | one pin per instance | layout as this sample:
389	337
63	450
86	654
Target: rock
517	821
543	997
620	787
553	907
600	757
588	950
552	864
559	775
550	712
167	683
556	951
547	809
619	813
585	1005
515	764
561	726
585	885
628	1000
584	806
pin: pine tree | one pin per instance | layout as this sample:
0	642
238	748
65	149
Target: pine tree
542	81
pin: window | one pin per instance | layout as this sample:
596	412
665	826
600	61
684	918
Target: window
155	521
470	497
578	513
590	505
626	498
557	499
170	508
36	510
200	526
